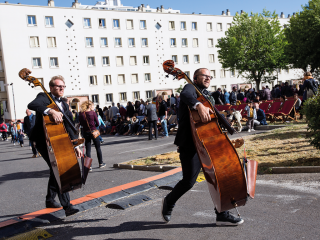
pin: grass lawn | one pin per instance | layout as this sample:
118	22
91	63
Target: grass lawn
287	146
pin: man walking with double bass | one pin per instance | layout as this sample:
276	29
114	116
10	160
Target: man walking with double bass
188	155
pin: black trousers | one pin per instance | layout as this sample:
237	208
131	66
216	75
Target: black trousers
191	167
88	136
53	187
154	123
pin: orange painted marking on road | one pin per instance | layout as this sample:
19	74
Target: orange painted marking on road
116	189
7	223
81	200
165	174
39	213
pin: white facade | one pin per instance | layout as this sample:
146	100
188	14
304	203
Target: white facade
70	42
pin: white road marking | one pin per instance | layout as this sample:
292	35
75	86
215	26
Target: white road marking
136	150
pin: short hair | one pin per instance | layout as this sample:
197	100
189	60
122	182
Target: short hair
51	83
219	89
178	94
85	105
197	72
307	74
160	97
296	94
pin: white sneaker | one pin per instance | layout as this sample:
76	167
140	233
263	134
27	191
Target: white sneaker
253	130
14	144
249	130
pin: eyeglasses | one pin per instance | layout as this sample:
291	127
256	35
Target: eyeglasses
60	86
205	76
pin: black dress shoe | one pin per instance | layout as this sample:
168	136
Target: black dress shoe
54	204
166	210
71	210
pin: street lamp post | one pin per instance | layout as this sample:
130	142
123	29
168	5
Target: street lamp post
14	103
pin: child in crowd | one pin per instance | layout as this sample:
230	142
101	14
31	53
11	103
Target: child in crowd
252	115
14	133
20	137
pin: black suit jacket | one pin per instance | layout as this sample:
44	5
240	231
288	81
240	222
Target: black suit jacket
40	105
28	125
188	98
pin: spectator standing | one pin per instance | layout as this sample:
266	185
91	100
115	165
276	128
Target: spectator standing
308	85
100	111
152	118
142	108
233	96
113	112
240	95
173	102
217	95
29	122
277	92
89	120
130	110
297	106
4	130
226	97
163	115
14	133
286	90
123	112
267	93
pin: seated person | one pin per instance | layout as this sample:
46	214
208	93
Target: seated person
251	115
283	98
133	126
257	99
261	116
297	106
143	123
172	122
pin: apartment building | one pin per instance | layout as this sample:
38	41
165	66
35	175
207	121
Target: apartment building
106	52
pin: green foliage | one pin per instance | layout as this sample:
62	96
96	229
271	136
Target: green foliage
303	37
311	108
254	45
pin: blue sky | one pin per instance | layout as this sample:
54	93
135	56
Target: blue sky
212	7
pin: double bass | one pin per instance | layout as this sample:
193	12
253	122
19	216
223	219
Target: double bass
60	147
230	181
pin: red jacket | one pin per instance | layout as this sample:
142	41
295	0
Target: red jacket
122	111
3	130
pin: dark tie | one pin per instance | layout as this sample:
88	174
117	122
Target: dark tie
58	100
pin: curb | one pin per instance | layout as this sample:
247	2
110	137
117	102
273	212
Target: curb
302	169
159	168
269	127
29	221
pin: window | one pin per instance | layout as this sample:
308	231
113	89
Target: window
213	88
51	42
87	23
213	73
69	23
1	68
211	58
209	26
123	96
196	59
131	42
107	79
148	94
119	61
194	26
228	26
143	24
103	42
95	98
223	86
171	25
173	42
34	42
222	73
129	24
134	78
184	42
187	73
102	23
89	42
233	73
105	61
210	42
147	77
109	97
93	81
175	58
116	24
54	62
32	20
49	21
133	60
185	59
183	26
91	62
144	42
36	62
121	79
195	42
117	42
136	95
158	26
219	27
286	70
146	60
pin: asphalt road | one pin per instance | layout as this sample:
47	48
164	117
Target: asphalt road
23	180
285	207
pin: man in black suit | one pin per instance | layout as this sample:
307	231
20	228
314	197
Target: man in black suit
28	124
188	156
57	86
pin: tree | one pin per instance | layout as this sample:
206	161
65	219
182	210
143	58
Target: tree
303	36
254	45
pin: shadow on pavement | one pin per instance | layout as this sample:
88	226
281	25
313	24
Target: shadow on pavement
24	175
